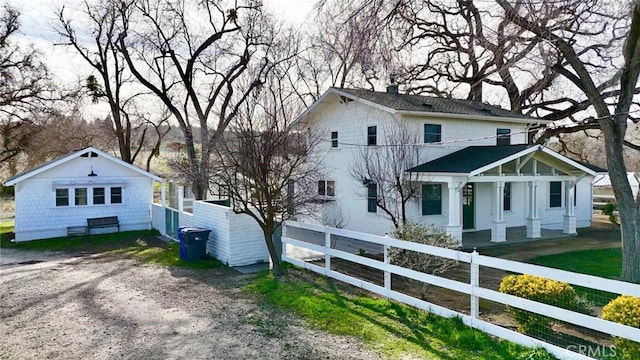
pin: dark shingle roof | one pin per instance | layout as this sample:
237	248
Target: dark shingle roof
468	159
430	104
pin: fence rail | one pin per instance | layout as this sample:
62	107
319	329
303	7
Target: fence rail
313	247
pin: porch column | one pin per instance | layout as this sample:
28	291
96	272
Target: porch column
498	226
569	220
533	221
163	195
454	227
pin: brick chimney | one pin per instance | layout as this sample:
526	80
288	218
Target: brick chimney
392	88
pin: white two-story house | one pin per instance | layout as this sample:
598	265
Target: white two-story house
475	169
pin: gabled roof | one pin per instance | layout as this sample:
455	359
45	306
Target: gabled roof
73	155
425	105
473	160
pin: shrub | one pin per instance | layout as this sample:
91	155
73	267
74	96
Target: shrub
624	310
609	209
538	289
430	264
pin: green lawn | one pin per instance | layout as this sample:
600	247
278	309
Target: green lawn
600	262
605	263
396	331
140	245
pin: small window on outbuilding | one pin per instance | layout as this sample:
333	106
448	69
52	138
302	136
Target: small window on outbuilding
98	196
116	195
334	139
80	196
62	197
326	188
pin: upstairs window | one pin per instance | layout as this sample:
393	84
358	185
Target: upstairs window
372	198
116	195
503	137
326	188
62	197
334	139
506	206
555	194
98	196
372	136
80	197
432	133
432	199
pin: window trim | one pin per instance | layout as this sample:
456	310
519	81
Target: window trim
425	201
372	135
437	135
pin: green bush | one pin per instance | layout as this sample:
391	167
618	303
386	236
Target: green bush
609	209
538	289
624	310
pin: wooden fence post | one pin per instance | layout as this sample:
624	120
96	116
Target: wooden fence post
327	248
283	234
387	274
475	282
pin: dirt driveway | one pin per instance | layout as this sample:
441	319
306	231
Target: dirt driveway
58	306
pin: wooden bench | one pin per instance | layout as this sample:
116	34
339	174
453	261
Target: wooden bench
103	222
77	230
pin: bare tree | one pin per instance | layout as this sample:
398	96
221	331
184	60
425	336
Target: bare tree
266	165
27	92
612	117
191	55
385	167
131	124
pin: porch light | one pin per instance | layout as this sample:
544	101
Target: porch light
92	173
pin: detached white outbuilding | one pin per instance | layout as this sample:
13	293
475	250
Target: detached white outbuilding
84	184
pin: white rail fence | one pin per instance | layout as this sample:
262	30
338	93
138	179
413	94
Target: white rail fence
316	248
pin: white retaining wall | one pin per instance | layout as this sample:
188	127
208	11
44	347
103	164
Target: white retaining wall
235	239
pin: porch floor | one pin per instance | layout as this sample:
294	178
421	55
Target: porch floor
515	235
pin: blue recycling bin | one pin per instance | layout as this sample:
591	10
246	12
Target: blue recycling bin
195	243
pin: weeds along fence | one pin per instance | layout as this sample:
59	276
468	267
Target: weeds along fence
570	327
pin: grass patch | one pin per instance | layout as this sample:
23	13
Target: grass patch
605	263
394	330
143	246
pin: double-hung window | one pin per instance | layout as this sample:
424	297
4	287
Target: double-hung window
116	195
372	198
432	133
432	199
372	136
62	197
326	188
80	196
503	137
555	194
98	196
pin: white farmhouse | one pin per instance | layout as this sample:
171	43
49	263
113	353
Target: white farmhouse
85	184
475	166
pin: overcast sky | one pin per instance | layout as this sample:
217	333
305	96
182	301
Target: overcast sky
38	18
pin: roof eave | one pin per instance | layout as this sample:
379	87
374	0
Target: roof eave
472	117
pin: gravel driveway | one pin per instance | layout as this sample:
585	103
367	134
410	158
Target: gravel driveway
56	306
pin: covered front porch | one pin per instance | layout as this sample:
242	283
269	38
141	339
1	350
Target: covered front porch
516	235
498	194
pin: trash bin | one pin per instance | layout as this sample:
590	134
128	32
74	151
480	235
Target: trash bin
183	248
195	241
